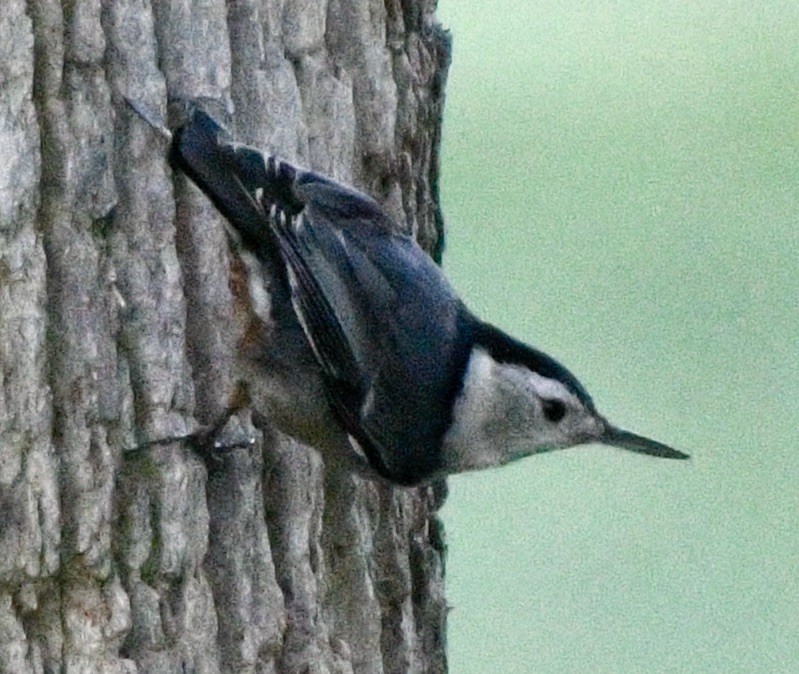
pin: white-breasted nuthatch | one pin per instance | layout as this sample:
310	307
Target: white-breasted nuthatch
368	341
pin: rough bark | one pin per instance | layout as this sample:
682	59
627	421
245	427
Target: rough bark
115	315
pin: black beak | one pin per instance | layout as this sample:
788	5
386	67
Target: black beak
638	443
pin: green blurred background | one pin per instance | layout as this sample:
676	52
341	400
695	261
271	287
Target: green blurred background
620	186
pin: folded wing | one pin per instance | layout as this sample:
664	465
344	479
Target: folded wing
386	327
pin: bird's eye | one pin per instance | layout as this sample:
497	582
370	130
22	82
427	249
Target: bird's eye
554	410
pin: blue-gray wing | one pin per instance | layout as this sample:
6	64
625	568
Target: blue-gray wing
399	317
388	331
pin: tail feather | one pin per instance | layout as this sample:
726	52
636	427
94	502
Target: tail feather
235	177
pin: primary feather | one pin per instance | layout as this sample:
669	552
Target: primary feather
356	297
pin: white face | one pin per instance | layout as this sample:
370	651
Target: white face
506	412
542	414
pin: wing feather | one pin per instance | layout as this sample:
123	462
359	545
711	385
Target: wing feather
384	324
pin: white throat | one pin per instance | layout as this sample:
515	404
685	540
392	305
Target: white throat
499	416
481	422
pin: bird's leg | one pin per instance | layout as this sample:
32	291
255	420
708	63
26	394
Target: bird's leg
229	431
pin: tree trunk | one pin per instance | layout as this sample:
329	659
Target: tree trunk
115	331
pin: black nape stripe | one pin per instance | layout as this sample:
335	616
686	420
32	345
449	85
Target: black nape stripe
505	349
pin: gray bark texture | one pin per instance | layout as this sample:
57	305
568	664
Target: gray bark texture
117	329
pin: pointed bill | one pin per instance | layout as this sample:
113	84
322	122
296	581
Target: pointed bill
638	443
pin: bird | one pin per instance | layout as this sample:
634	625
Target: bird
360	346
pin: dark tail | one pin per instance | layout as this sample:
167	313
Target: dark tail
231	175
